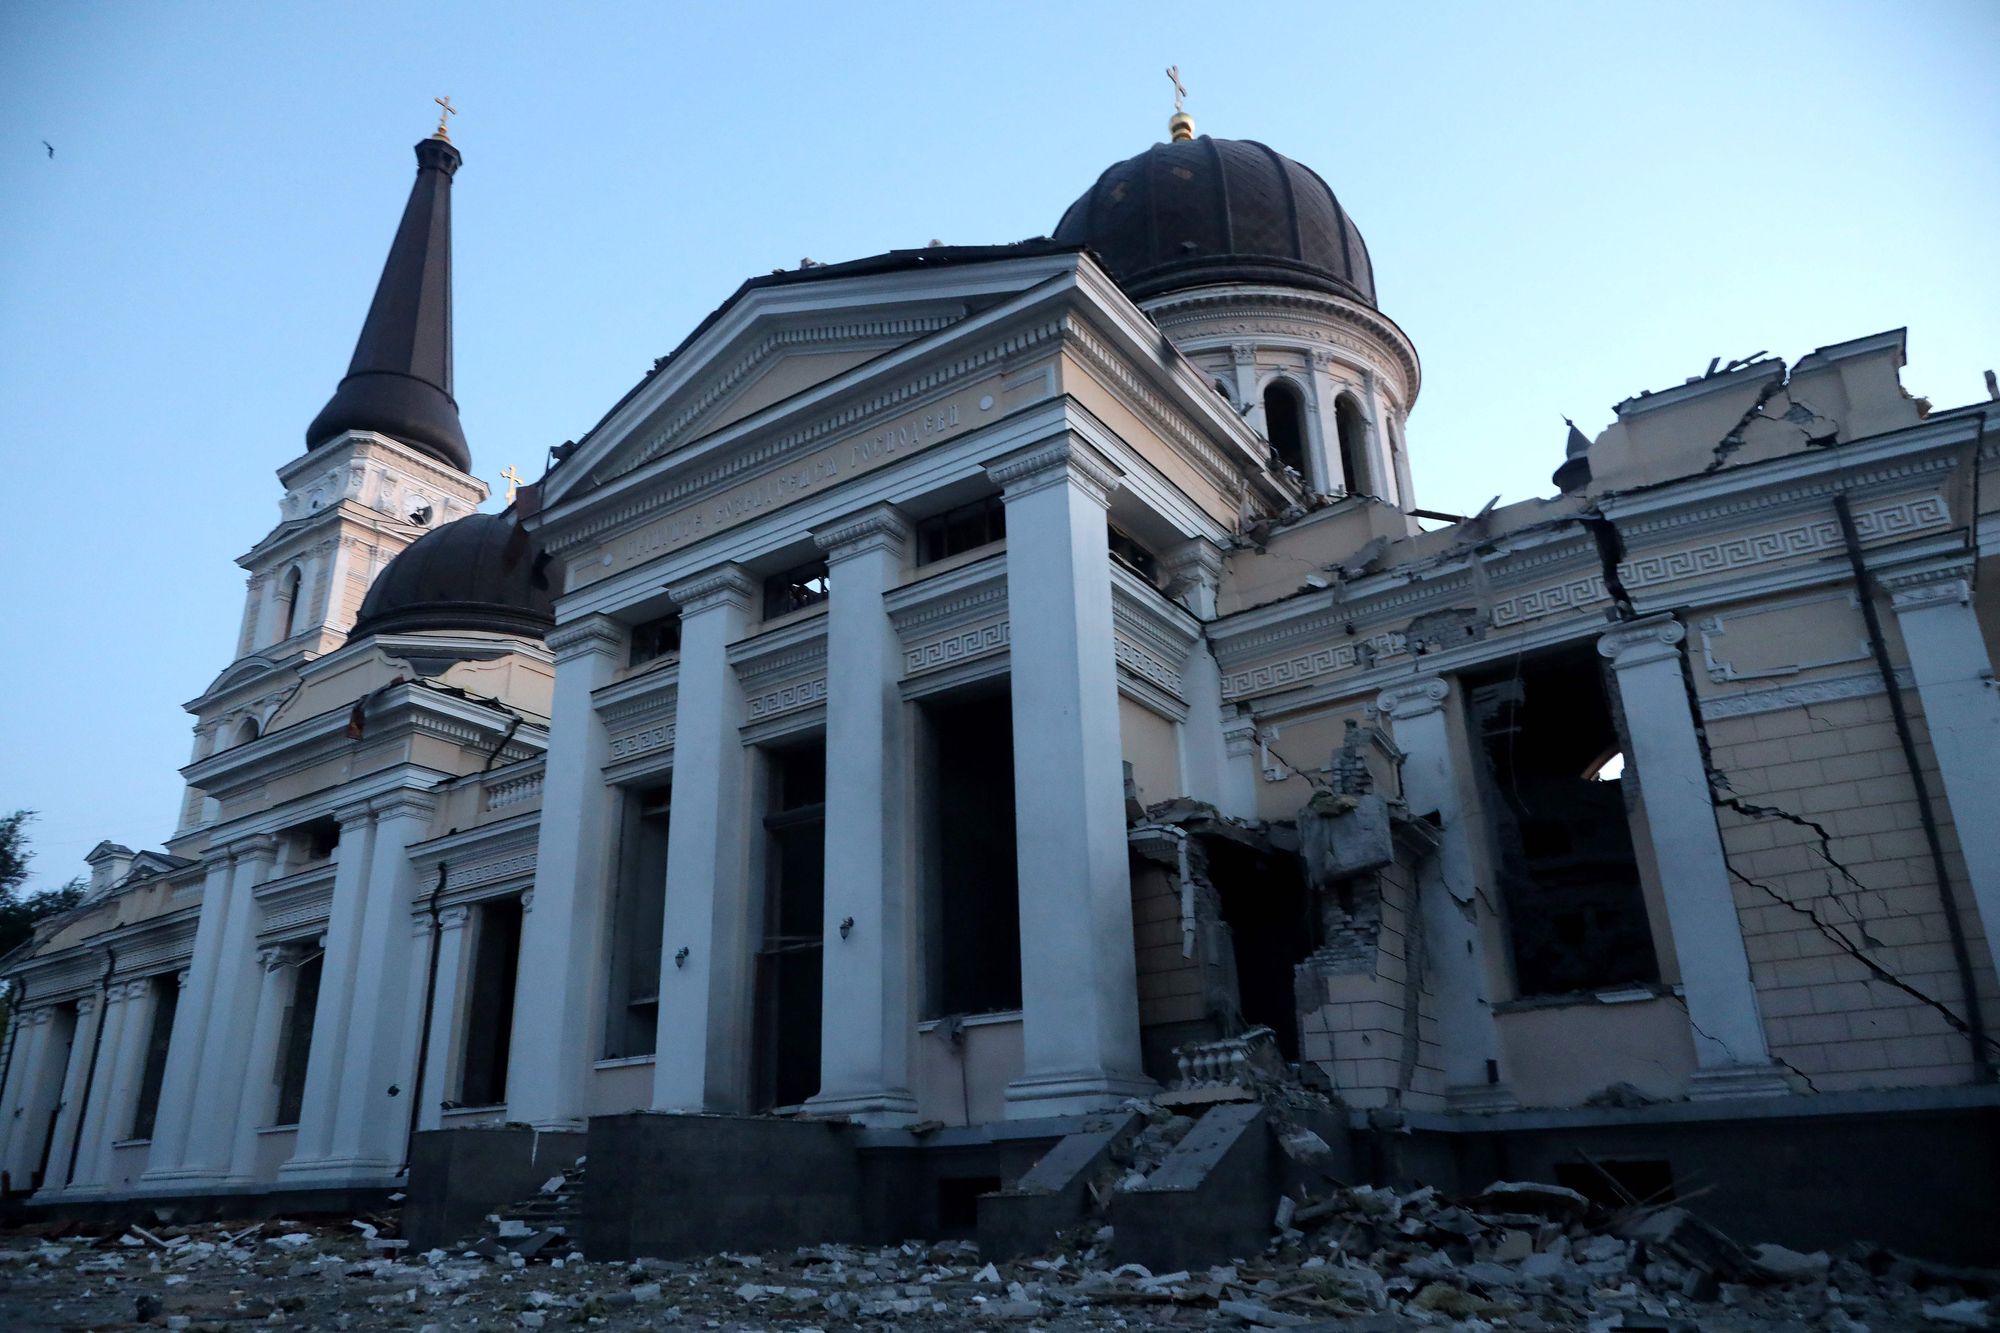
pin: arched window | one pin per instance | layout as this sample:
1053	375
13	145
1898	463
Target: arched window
1353	445
247	731
1285	425
289	595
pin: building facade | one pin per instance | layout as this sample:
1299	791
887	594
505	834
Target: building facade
980	684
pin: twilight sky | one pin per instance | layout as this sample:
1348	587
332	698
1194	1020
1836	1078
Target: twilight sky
1566	204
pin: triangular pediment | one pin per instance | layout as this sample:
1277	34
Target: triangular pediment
779	344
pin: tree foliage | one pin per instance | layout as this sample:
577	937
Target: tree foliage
20	911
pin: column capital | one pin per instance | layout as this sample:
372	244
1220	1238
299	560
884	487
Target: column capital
724	585
404	803
40	1014
881	527
134	989
86	1004
1242	354
1638	642
582	637
1414	698
251	845
1194	572
454	918
182	977
1239	734
1931	583
354	813
527	901
1066	459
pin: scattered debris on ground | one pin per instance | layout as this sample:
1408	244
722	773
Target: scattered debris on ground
1517	1256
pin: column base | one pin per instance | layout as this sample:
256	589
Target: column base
1725	1082
1034	1096
180	1180
335	1170
1481	1099
889	1107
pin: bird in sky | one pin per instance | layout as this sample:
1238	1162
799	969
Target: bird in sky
51	147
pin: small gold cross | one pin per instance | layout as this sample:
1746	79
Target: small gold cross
449	110
1174	73
513	480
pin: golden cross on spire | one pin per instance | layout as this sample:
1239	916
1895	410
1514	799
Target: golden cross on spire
447	111
513	480
1180	125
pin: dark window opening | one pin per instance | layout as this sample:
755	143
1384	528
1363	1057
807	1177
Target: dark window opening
489	1014
247	731
962	529
1272	928
638	918
166	993
795	589
655	639
789	960
1285	426
1618	1184
972	901
313	841
1568	871
1127	551
958	1205
1353	445
296	1050
290	597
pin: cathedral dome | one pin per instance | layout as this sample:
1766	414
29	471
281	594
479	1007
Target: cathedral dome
1201	211
459	577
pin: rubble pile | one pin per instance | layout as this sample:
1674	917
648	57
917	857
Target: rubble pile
1354	1260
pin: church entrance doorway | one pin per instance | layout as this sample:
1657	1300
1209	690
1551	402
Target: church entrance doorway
790	955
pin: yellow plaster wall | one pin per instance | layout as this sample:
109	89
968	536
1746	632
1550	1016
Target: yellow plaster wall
1151	744
977	1072
1558	1055
790	375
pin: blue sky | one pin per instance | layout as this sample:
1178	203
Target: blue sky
1565	204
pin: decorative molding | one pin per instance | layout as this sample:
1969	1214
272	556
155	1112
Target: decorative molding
1744	550
724	585
454	918
659	736
1223	471
1389	344
1414	698
1922	596
459	878
1054	462
583	637
1638	642
514	790
1569	595
877	528
952	618
1800	694
1716	627
1151	637
1341	655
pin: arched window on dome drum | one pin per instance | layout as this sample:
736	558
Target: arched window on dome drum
1353	445
289	595
1284	425
247	731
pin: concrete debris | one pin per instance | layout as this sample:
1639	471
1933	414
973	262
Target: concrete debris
1358	1259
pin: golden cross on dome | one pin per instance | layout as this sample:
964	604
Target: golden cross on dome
448	110
513	480
1180	125
1174	73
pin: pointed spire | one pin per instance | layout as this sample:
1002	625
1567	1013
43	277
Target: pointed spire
399	382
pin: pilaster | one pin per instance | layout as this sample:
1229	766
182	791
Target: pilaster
1194	575
440	1073
110	1093
702	1055
1079	978
868	1011
1448	903
20	1128
552	1045
1954	675
256	1103
64	1145
1730	1052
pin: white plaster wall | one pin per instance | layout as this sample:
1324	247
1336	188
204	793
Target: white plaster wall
618	1088
1561	1054
993	1056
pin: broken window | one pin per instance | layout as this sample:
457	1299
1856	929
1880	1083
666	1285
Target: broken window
638	916
1285	425
1127	551
795	589
295	1050
1569	875
965	528
1353	434
789	961
489	1011
655	639
166	995
972	908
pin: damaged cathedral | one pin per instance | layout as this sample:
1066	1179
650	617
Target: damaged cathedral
962	693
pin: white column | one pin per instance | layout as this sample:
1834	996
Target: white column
1730	1053
165	1159
1240	778
33	1089
1326	389
444	1016
553	1043
868	1020
1079	977
360	1130
1448	896
1954	676
105	1117
257	1104
24	1028
702	1059
1243	364
318	1106
1195	572
69	1114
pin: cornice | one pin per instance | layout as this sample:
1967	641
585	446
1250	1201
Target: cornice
1202	302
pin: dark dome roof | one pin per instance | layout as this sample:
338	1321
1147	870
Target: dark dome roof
458	578
1206	210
